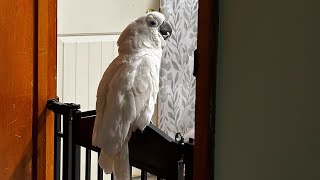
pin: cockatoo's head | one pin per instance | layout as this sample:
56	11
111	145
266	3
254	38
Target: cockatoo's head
148	31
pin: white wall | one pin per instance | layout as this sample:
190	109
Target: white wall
100	16
268	93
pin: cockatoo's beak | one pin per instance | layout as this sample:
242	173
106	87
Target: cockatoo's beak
165	30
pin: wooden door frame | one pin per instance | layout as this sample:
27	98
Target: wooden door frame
45	87
208	25
45	71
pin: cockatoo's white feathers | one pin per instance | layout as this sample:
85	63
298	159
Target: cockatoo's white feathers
126	97
128	90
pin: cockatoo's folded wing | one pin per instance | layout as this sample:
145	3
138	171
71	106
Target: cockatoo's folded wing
124	99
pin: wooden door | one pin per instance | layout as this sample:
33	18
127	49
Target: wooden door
16	92
27	79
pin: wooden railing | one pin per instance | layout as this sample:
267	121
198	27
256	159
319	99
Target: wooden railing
152	150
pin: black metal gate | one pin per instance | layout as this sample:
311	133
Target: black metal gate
151	151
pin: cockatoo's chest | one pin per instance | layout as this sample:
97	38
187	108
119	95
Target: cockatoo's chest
153	62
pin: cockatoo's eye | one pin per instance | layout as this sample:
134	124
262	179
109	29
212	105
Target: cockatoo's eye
153	23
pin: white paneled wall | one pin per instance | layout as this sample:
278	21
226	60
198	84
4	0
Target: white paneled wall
82	61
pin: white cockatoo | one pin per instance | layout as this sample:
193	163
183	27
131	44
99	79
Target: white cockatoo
128	91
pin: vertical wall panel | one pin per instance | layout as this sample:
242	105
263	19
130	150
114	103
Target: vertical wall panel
115	49
94	71
82	91
60	68
94	165
69	72
82	79
107	55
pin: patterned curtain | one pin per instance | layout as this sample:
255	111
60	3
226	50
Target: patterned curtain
176	103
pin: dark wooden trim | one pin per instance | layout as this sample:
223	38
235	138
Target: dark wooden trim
213	74
205	89
35	119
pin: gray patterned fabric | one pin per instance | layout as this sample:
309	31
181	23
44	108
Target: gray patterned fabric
176	103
